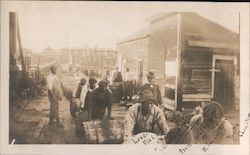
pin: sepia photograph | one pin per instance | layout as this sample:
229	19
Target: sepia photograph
146	75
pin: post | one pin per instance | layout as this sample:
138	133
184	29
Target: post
21	50
12	39
178	92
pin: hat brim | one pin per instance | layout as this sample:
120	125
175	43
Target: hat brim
148	100
150	76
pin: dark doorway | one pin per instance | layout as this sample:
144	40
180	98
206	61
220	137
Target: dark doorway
224	83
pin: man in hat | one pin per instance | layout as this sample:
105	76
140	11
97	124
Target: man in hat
210	127
54	94
154	88
144	116
86	113
101	99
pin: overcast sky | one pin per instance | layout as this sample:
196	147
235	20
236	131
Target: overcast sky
74	24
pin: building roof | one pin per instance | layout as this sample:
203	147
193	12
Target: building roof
142	33
159	16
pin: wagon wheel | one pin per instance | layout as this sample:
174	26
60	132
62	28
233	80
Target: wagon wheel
72	108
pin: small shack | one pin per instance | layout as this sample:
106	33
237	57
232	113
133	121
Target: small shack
194	59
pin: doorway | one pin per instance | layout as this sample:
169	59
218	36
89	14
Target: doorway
224	80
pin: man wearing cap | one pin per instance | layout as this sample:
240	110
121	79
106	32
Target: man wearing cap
86	113
54	94
101	99
144	116
151	86
210	127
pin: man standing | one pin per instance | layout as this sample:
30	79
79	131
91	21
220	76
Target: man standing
80	91
88	106
151	86
78	97
101	99
128	86
144	116
54	94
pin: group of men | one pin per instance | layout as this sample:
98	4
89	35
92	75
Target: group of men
208	126
93	100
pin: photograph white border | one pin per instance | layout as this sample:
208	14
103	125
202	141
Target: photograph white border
241	149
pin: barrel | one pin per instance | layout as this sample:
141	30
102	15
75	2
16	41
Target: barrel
103	132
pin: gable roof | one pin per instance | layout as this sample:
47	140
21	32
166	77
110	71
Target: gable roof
140	34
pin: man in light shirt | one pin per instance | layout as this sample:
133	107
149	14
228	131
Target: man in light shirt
55	95
128	86
143	117
80	91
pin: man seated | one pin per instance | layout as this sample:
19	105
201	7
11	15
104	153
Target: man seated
210	127
144	116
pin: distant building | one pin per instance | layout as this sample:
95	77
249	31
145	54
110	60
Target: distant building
194	59
91	61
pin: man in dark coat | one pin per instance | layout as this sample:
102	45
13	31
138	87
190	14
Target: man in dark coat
101	99
152	87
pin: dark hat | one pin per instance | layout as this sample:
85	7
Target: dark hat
104	83
83	80
53	67
213	107
151	75
92	80
146	95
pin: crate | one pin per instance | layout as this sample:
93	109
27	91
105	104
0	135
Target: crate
103	132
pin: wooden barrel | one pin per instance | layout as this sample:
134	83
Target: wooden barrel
103	132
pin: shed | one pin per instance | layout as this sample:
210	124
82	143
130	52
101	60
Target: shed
194	59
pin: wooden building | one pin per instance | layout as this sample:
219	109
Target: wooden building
194	59
134	54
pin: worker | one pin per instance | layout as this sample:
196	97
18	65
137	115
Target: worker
88	101
154	88
211	127
101	99
80	91
144	116
54	95
128	86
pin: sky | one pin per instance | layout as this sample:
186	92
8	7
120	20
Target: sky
60	24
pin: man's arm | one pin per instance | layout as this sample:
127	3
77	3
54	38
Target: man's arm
110	100
129	123
83	94
161	122
50	81
159	99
